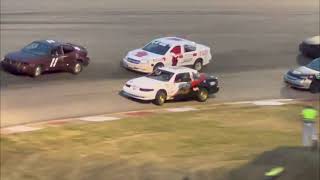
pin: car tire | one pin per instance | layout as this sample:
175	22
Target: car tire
77	68
157	66
314	88
160	98
37	71
198	65
202	95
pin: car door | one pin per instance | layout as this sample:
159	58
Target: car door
56	59
176	56
189	55
182	84
70	55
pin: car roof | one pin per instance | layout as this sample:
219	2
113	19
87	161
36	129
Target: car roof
312	40
173	41
175	69
52	43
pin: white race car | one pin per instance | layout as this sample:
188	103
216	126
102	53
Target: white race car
167	51
171	82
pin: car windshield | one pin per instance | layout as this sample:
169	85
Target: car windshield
37	48
157	47
314	65
161	75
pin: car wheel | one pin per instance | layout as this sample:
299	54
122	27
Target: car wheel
198	65
157	66
202	94
161	97
314	88
77	68
37	71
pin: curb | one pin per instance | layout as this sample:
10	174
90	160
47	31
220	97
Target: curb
29	127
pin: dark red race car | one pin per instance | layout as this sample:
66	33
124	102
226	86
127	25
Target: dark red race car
46	56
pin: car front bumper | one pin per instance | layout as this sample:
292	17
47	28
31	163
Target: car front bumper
296	82
137	94
142	67
23	69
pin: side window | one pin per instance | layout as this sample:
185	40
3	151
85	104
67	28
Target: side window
57	51
196	75
176	50
189	48
182	77
67	49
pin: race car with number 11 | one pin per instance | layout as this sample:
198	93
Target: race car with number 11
46	56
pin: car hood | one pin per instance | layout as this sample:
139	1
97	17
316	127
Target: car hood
140	54
303	70
22	56
145	82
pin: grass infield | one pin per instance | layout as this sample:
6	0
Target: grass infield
206	144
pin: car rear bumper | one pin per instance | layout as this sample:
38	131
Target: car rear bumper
213	90
298	83
86	61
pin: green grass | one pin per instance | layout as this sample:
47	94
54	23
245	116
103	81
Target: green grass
166	146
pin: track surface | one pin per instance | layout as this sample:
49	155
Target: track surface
253	44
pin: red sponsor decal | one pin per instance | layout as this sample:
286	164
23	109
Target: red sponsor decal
196	82
194	54
141	54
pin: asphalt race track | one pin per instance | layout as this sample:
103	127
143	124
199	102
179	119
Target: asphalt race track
253	44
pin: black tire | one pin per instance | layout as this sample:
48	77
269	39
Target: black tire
37	71
157	66
77	68
314	88
160	98
202	94
198	65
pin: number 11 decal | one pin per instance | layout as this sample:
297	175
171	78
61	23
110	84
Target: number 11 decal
54	62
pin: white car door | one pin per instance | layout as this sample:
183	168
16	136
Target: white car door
189	55
181	84
176	57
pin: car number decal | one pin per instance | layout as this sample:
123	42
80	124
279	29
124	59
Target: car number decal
141	54
54	62
50	41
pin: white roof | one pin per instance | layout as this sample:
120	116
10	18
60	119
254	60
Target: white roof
173	40
313	40
177	69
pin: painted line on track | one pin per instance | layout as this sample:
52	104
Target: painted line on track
182	109
19	129
98	118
